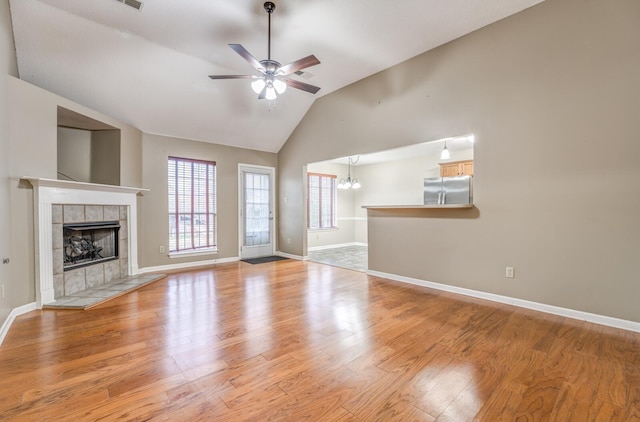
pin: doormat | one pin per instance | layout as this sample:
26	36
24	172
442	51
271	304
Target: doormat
264	259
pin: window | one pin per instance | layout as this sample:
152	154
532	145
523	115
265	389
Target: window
321	207
192	204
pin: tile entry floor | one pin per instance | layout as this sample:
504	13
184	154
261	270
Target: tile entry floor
87	298
351	257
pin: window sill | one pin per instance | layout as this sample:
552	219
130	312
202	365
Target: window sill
197	252
328	229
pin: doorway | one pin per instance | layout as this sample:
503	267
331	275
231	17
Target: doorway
256	220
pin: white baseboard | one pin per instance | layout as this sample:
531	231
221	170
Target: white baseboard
288	255
188	265
337	245
12	316
536	306
185	265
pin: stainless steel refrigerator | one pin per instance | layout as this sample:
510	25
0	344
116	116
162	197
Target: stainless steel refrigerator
448	190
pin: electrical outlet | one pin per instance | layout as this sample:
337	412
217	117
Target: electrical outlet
288	240
161	249
509	272
2	292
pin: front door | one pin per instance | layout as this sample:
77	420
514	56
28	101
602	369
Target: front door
256	211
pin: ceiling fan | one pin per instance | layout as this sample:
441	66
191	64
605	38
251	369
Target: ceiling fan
274	78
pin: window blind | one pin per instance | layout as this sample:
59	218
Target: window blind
192	204
321	206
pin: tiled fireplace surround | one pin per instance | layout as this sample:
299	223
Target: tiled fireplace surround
66	283
59	201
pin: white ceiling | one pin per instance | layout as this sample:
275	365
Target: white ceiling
149	68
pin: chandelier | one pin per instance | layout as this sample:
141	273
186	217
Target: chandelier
350	184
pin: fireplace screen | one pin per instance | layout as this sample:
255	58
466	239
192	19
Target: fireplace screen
89	243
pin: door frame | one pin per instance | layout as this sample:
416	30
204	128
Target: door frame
272	225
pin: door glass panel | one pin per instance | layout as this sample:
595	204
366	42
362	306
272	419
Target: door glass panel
256	223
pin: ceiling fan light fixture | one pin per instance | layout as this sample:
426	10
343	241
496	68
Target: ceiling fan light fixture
258	85
280	86
270	93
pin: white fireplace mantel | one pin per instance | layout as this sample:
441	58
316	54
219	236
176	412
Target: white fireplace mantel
47	192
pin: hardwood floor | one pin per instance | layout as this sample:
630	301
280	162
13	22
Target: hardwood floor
294	341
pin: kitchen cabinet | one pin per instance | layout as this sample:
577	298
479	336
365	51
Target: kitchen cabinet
457	168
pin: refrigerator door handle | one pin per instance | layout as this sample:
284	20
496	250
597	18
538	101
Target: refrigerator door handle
439	197
444	197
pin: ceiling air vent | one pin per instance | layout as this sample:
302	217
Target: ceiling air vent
132	3
304	75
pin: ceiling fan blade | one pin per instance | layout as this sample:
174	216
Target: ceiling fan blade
299	64
232	77
301	85
247	56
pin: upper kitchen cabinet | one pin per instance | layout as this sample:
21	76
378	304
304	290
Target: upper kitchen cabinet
456	168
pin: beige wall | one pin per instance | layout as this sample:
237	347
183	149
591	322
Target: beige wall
32	123
7	67
153	227
106	157
74	154
552	95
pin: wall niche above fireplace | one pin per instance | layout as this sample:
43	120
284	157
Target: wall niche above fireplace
88	150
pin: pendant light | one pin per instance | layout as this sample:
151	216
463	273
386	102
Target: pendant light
444	155
350	184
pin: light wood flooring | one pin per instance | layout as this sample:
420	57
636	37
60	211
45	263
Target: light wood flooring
295	341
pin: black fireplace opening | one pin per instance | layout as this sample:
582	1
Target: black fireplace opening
89	243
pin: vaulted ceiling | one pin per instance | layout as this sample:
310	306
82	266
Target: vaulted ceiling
149	67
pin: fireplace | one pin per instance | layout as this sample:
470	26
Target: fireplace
60	202
90	246
86	244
